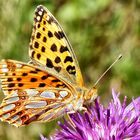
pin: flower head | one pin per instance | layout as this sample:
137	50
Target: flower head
115	122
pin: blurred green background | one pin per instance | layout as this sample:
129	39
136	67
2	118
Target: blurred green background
99	30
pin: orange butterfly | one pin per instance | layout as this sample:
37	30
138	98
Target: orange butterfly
51	84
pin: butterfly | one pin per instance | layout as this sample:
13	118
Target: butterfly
51	84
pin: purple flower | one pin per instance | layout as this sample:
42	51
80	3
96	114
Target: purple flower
116	122
42	137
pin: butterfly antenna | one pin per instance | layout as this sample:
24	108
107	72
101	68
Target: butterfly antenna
118	58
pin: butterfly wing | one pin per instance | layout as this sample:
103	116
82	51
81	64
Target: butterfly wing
16	75
31	94
25	106
50	48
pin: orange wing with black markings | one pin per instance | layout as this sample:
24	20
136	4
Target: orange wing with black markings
31	94
17	75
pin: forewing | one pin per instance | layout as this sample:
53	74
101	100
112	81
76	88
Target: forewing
16	75
50	48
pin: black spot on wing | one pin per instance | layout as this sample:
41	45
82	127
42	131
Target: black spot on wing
33	80
44	77
38	35
71	69
57	35
24	74
68	59
32	71
63	49
13	74
11	84
38	25
49	63
44	39
38	55
61	33
55	80
10	79
44	22
43	49
50	34
19	79
57	59
54	48
42	85
60	85
37	69
32	54
36	45
20	84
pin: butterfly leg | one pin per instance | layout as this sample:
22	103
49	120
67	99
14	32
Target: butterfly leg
72	112
70	117
83	109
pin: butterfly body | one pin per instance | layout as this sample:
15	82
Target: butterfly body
51	84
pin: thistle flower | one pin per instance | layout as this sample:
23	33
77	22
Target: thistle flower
116	122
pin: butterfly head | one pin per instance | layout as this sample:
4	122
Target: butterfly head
90	95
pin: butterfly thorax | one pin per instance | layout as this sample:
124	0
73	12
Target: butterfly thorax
83	97
90	95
